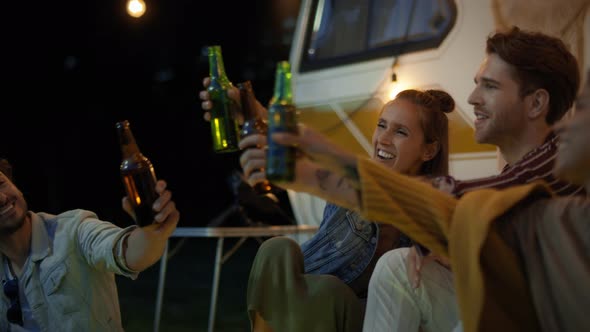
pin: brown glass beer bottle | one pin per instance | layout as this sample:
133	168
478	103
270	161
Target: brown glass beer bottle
253	124
138	175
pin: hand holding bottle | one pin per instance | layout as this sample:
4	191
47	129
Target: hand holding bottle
253	159
233	93
206	103
166	215
145	245
138	176
252	134
224	125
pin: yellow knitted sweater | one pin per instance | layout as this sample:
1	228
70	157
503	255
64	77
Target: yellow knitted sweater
491	287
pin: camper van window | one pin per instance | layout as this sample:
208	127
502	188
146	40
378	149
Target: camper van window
348	31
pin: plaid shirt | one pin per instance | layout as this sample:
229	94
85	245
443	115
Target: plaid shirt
535	165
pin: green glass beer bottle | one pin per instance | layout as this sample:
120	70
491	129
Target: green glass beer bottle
253	124
138	175
280	160
224	125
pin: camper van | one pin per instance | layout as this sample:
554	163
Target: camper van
349	57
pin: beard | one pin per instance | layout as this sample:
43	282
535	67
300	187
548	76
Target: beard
13	227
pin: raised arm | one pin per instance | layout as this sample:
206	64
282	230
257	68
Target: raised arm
380	194
323	169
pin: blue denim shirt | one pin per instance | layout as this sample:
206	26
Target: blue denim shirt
68	279
343	245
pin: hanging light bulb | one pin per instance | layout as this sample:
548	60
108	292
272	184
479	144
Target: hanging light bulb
135	8
396	85
395	88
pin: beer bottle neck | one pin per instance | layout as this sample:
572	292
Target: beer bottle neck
283	93
248	101
216	67
127	142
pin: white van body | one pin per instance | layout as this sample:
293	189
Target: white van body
343	101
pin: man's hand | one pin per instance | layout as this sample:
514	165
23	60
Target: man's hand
233	94
167	215
417	261
253	159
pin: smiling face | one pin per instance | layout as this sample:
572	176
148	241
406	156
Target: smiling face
499	109
13	207
398	140
573	156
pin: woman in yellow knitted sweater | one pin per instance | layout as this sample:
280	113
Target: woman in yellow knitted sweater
521	258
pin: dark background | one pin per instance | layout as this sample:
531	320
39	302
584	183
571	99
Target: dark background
69	70
72	69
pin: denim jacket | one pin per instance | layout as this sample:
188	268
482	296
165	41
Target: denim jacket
68	279
343	245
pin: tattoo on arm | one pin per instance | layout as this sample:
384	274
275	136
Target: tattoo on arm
344	183
341	189
322	175
352	174
340	182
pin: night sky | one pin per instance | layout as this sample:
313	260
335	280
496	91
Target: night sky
71	70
